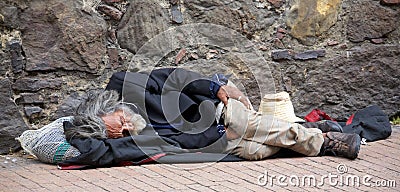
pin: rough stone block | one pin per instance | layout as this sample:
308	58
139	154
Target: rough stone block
11	123
278	55
63	38
369	20
69	105
33	112
390	2
312	54
277	3
35	84
358	78
31	98
111	11
17	59
309	19
4	63
142	21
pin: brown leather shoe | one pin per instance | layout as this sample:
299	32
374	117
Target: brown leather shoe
341	145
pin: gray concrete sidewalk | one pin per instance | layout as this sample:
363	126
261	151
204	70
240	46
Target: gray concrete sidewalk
376	169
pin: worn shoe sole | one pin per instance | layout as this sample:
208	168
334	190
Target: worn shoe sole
357	144
351	144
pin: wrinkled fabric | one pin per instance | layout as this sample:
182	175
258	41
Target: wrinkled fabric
109	152
370	123
264	135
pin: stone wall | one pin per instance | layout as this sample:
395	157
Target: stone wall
335	55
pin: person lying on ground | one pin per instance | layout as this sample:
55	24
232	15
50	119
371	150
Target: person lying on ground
199	113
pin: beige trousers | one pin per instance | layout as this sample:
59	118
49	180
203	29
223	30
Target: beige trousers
264	135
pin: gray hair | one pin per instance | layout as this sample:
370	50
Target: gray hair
88	122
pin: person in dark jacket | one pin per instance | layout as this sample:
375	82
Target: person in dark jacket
177	103
199	113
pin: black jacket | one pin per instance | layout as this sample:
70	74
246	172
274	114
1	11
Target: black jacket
370	123
111	152
177	103
135	150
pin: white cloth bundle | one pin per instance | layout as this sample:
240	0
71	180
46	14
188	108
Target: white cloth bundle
48	143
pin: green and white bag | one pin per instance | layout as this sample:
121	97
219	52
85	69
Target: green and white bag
48	143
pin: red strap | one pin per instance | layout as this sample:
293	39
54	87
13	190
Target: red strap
151	159
64	166
317	115
350	120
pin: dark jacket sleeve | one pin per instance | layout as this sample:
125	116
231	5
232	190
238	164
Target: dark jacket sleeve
168	79
106	152
187	82
207	141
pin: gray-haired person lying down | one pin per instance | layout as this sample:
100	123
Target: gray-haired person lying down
102	115
198	112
